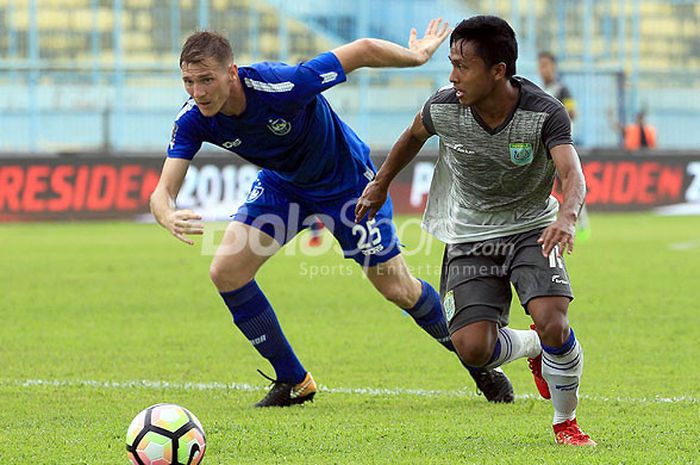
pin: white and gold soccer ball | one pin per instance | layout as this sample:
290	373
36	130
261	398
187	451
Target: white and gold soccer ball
165	434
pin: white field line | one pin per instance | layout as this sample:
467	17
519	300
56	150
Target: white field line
366	391
688	245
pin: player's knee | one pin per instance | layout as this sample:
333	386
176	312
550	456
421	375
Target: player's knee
554	331
471	352
227	279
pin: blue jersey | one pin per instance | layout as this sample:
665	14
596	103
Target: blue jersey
287	128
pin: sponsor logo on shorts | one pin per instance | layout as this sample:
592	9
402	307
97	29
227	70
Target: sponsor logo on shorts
373	250
255	193
559	280
449	305
521	153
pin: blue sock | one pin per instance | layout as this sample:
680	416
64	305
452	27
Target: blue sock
254	316
428	314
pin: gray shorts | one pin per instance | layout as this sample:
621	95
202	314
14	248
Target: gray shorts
476	277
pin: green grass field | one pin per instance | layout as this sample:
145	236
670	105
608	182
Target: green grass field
100	320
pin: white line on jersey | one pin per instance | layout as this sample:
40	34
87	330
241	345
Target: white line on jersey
188	106
269	86
362	391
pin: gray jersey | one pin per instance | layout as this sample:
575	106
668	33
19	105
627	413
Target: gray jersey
491	183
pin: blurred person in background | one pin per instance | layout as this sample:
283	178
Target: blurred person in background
547	66
639	135
313	166
553	85
502	139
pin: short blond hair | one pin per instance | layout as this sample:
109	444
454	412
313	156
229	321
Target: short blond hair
206	44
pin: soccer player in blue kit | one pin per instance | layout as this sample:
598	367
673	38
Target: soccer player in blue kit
313	165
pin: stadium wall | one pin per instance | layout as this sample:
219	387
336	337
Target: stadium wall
95	186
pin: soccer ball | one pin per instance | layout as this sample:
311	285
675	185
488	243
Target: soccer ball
165	434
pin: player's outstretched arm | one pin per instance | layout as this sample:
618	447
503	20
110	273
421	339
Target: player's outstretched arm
178	222
404	150
377	53
562	231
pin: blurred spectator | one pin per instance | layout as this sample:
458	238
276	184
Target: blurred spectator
639	135
547	66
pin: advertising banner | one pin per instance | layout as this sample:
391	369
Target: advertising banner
101	187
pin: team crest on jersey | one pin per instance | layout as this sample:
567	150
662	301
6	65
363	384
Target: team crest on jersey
255	193
279	126
449	305
521	153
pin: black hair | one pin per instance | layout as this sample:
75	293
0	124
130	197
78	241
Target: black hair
493	38
548	55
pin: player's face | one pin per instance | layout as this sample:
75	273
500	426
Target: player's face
470	76
209	83
546	68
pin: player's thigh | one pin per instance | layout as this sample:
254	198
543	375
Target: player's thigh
239	256
369	242
474	286
535	276
394	281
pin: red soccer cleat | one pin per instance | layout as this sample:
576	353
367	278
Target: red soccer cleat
568	433
535	365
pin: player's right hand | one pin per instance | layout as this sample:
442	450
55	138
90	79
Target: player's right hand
429	43
371	200
182	222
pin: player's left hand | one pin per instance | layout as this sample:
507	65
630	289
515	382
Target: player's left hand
560	233
371	200
434	36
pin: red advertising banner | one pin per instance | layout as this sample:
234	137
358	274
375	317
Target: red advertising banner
94	187
56	188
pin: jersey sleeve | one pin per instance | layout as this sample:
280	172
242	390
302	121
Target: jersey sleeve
295	86
557	128
185	140
425	115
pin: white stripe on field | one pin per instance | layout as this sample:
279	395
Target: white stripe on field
367	391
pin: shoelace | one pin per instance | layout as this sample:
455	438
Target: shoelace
272	380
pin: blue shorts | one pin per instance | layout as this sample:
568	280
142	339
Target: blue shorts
282	213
